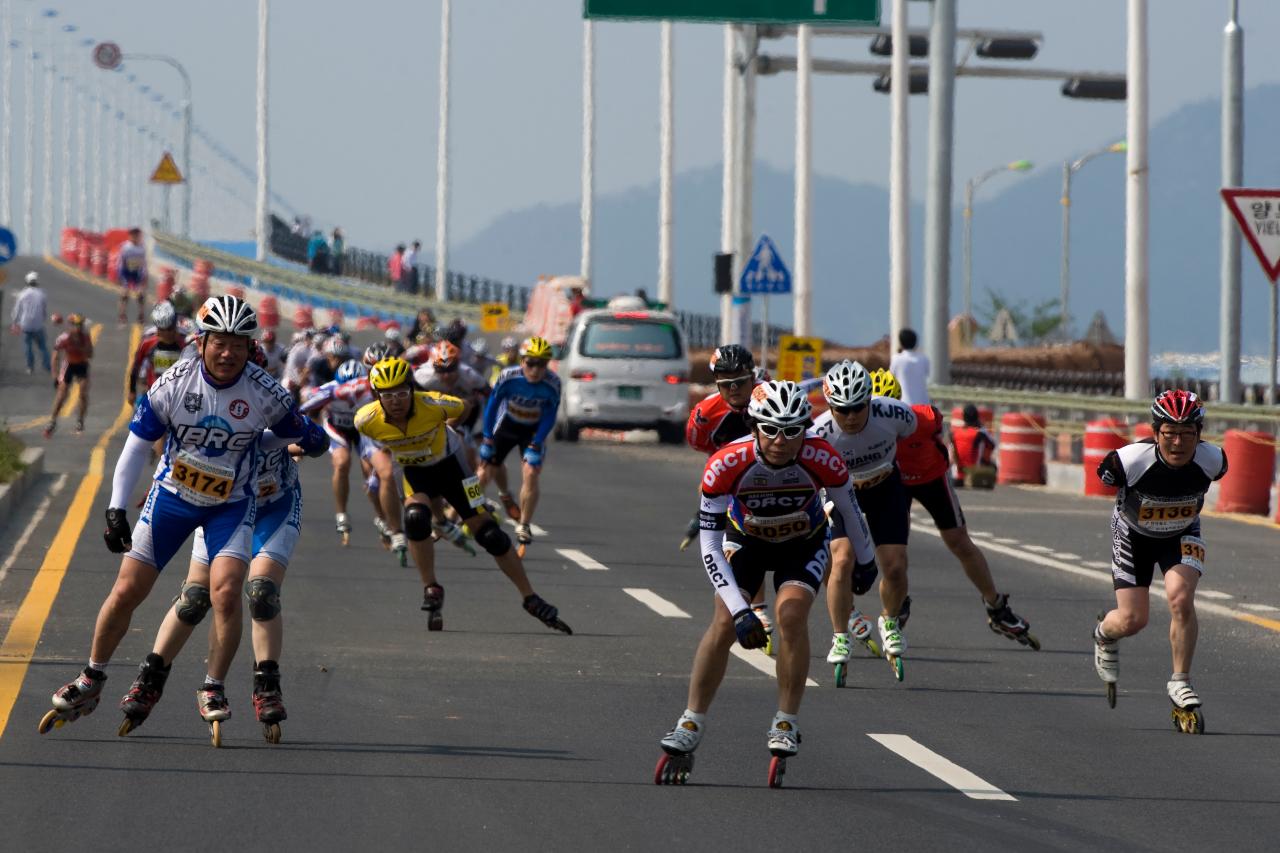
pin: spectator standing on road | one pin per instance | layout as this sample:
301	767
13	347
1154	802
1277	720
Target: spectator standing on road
132	274
911	370
29	311
395	267
409	267
337	246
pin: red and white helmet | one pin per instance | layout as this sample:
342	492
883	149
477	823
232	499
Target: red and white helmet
1177	407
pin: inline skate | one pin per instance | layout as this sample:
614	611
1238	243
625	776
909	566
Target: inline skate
762	613
784	742
893	644
384	532
78	698
211	702
143	695
510	506
400	547
433	603
545	612
268	702
524	538
861	629
676	762
1106	660
839	656
690	533
454	534
1002	620
1187	716
343	525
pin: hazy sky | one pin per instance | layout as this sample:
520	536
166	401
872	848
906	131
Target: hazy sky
354	93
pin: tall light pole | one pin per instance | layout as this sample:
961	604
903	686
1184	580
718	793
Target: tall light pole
1137	323
1232	176
6	135
47	154
588	146
262	225
728	171
666	165
65	80
899	199
28	151
969	188
442	156
1069	168
937	209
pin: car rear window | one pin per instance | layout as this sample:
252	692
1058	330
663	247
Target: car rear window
625	338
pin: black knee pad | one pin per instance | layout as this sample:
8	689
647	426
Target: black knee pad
192	603
417	522
492	538
264	599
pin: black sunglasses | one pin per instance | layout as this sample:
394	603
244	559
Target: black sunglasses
733	384
849	410
772	430
534	363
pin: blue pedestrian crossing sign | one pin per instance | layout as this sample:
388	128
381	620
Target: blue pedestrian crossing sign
765	273
8	246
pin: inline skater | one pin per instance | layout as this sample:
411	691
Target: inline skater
866	431
301	351
478	356
410	426
971	451
762	511
214	410
274	355
520	413
275	533
1161	484
158	350
324	367
922	462
339	400
72	352
132	274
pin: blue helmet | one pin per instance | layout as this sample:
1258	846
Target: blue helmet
351	369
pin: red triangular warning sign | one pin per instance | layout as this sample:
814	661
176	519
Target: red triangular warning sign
1258	214
167	172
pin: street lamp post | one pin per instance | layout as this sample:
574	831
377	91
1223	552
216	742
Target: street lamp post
969	188
1069	168
186	129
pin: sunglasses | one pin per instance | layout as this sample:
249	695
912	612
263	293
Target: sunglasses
849	410
772	430
398	394
733	384
532	364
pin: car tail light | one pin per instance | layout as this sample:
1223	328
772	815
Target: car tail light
584	375
676	378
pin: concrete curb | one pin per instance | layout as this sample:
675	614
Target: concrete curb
12	493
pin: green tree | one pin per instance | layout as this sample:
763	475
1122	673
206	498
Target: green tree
1034	324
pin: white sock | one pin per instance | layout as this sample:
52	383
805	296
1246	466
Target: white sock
210	681
700	719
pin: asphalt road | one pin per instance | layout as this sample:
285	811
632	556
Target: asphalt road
498	733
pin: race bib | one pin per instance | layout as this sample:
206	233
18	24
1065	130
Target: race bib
779	528
341	420
475	491
162	360
1166	516
268	485
874	477
201	482
133	263
1193	552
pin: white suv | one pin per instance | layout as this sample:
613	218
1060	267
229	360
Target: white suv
624	369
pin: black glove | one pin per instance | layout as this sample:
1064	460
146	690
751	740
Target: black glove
750	629
117	535
864	575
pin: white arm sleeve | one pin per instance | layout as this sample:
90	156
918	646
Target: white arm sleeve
713	559
270	441
134	457
855	526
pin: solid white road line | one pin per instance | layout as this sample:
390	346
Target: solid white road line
656	603
584	560
40	513
1098	564
1068	556
1005	541
1213	593
1039	549
981	534
762	662
1260	608
948	771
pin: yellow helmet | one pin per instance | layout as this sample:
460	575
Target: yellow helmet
389	373
535	347
884	384
75	320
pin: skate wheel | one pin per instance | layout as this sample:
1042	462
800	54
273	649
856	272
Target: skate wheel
346	539
520	549
672	769
1111	693
768	646
777	768
873	647
126	725
215	733
1032	642
49	721
435	622
840	673
271	731
896	663
560	625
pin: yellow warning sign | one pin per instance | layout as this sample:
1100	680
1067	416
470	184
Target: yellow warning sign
495	317
167	172
799	358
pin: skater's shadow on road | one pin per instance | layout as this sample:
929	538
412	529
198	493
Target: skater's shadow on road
995	691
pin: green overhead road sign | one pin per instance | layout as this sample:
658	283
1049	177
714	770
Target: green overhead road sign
864	12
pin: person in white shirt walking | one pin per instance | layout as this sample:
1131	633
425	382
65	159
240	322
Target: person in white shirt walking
409	267
911	370
29	312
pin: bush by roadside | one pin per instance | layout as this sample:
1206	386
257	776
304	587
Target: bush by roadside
10	456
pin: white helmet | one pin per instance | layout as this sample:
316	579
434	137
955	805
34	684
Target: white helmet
163	315
847	384
228	315
336	346
33	277
393	334
780	403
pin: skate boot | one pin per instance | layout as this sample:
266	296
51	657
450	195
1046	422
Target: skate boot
893	644
524	536
211	702
1187	716
384	533
904	613
454	535
143	695
433	603
400	547
1106	661
839	655
79	426
762	613
784	742
49	428
545	612
268	703
678	745
690	533
343	525
74	700
860	628
509	505
1004	621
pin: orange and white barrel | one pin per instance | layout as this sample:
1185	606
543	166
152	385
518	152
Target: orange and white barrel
1021	448
1247	486
1100	438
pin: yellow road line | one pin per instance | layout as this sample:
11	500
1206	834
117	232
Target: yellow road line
24	633
101	284
1259	620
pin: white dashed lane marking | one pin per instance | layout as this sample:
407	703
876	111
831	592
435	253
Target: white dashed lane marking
1038	549
1004	541
583	559
1260	608
948	771
1213	593
1098	564
656	603
762	662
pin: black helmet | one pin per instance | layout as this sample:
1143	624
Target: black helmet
971	416
732	358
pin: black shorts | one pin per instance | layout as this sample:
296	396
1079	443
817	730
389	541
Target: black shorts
73	371
509	435
443	480
939	498
798	561
887	509
1134	556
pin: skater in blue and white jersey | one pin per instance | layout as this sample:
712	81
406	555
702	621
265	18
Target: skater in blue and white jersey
212	412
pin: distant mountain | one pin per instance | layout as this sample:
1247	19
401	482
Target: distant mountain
1017	237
